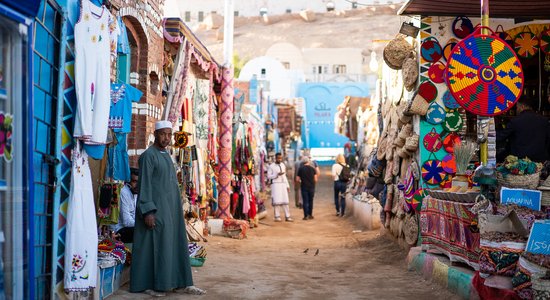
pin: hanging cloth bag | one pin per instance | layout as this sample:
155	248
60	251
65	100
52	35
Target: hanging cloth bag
431	50
432	171
453	121
526	43
432	141
462	27
436	72
435	114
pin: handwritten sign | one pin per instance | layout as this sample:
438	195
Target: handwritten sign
521	197
539	239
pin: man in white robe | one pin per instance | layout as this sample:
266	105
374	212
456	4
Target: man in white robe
276	172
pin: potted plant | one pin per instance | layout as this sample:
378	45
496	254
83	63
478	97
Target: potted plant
463	152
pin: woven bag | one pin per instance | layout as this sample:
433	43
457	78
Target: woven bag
428	91
396	163
403	153
405	132
411	143
410	72
399	142
417	105
381	151
431	50
530	181
504	36
396	51
432	141
388	178
462	27
436	72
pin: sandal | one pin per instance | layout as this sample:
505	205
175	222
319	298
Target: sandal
155	293
193	290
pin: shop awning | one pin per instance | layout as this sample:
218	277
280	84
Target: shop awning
175	31
531	9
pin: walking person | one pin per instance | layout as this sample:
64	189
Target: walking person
307	176
297	194
160	262
341	176
276	172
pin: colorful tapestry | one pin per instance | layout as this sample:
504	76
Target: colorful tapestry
200	112
226	132
499	259
446	226
484	75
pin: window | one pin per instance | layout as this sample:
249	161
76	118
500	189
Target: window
320	69
263	72
286	64
288	11
339	69
187	16
201	16
263	11
236	13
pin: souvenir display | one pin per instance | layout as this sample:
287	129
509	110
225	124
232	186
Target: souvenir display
453	121
449	101
545	41
436	72
503	35
432	141
448	49
526	44
484	74
428	91
449	164
450	141
432	171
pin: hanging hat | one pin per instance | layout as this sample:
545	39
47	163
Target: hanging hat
453	121
435	114
163	124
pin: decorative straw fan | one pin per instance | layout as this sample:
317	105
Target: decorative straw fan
484	74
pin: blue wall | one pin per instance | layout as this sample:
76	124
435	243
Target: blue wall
321	101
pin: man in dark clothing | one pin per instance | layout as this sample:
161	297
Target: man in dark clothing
307	176
528	133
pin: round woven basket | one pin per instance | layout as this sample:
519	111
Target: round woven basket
519	181
396	51
411	229
410	72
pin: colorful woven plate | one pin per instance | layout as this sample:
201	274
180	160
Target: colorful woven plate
504	36
545	41
431	50
450	141
428	91
448	49
416	201
432	171
449	164
484	75
449	101
436	72
432	141
453	121
462	27
526	44
435	114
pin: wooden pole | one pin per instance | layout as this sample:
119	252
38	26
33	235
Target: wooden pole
484	147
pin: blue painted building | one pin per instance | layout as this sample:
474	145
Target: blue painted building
321	101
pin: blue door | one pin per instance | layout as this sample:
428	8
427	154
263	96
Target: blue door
48	57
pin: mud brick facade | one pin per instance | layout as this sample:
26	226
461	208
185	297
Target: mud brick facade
143	20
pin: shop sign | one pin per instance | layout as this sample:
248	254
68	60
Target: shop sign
521	197
539	239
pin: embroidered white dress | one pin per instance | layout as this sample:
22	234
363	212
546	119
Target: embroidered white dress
92	70
279	186
81	237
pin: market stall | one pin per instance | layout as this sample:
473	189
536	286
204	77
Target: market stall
470	81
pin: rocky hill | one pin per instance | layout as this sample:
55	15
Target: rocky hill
367	28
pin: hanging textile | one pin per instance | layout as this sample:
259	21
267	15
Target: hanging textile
120	113
200	112
81	237
178	86
226	131
92	68
123	46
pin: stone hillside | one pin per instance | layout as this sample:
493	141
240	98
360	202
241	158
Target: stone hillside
365	28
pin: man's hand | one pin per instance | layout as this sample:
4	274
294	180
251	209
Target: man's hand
281	173
150	221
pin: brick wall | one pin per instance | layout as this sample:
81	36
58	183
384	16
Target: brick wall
143	20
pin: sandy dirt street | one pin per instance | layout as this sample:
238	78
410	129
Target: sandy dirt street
271	264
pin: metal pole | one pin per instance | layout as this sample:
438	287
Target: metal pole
484	148
228	20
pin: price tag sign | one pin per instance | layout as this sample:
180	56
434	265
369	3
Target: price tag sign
521	197
539	239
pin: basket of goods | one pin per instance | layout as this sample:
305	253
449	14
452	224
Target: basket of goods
545	189
396	51
519	173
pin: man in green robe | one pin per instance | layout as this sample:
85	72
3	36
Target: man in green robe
160	257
